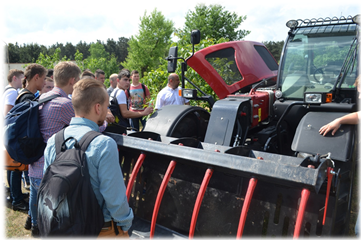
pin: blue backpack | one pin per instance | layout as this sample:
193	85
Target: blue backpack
23	139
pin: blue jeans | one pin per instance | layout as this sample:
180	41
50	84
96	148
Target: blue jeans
26	177
134	122
15	186
33	201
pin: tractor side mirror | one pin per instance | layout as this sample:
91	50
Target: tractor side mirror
195	36
172	59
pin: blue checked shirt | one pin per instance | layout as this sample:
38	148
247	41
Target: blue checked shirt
53	116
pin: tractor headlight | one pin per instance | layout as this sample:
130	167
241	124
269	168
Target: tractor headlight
189	93
292	23
356	19
317	98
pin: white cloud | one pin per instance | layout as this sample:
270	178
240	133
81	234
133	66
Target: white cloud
75	21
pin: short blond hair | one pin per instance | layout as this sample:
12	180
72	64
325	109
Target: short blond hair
87	92
64	71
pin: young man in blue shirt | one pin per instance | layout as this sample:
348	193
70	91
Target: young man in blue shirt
90	101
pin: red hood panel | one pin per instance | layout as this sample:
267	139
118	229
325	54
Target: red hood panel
249	63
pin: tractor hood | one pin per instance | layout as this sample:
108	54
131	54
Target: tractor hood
231	66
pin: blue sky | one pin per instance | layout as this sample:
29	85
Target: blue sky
74	21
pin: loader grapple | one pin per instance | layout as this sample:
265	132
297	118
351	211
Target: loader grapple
185	188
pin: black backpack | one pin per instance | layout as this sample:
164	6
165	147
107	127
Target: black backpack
114	108
67	205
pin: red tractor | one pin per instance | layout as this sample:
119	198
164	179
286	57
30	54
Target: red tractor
255	165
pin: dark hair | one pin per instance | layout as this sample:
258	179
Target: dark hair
98	72
87	73
124	73
50	72
31	70
14	72
134	72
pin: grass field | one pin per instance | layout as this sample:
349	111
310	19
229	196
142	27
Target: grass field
14	221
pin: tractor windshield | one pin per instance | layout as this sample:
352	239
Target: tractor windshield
313	59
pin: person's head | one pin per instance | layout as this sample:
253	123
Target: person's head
87	73
113	80
100	75
14	78
50	73
34	77
66	74
173	80
90	100
49	85
123	79
135	76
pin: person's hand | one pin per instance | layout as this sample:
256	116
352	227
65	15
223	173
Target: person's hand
109	117
332	126
148	110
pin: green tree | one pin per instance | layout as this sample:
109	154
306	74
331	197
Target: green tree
151	43
69	51
213	22
275	48
49	61
123	49
83	48
14	53
97	50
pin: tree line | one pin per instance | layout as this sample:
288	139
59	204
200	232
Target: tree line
28	53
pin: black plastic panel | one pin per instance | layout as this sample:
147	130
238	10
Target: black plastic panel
307	138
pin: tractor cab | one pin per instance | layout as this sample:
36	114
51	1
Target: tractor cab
320	56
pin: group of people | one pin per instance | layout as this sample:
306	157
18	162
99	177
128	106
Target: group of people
131	96
84	104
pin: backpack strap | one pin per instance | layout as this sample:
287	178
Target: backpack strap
143	86
59	139
8	87
23	92
83	143
87	138
48	98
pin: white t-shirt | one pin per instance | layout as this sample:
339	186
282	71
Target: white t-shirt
9	98
121	97
169	96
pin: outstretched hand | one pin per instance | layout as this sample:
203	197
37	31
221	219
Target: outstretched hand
332	126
